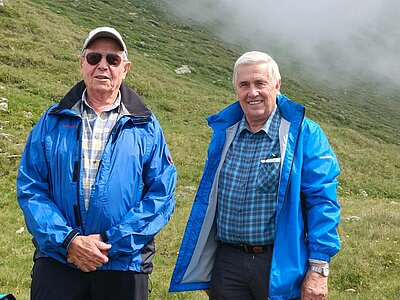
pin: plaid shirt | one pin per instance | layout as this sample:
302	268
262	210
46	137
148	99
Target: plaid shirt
96	130
248	185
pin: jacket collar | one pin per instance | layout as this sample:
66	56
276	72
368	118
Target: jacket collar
131	100
291	111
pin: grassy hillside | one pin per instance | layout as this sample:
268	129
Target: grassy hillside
40	43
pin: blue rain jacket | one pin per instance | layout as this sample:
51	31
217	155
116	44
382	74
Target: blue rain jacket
132	197
308	171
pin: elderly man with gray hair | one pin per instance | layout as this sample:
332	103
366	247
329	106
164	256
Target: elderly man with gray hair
263	223
96	183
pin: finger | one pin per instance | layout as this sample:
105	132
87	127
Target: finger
103	246
105	259
70	260
101	262
98	257
85	269
96	260
88	268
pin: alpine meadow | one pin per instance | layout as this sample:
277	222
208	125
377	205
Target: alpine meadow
40	42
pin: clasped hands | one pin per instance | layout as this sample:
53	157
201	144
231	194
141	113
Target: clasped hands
88	252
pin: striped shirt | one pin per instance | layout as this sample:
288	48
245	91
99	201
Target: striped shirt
96	130
248	185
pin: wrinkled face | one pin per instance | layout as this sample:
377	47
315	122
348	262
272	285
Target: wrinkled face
103	79
256	92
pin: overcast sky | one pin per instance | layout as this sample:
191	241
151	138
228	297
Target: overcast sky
338	38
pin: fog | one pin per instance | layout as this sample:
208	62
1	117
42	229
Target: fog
334	39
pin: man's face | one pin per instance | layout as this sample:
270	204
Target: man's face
256	92
102	79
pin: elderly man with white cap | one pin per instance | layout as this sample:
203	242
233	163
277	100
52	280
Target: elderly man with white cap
96	183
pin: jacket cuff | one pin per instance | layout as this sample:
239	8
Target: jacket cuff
317	261
319	256
67	241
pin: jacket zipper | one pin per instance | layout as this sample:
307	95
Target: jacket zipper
78	215
291	168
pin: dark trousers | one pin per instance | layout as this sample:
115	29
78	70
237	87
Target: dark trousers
53	280
238	275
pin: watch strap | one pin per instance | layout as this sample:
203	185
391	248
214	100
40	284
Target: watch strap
324	271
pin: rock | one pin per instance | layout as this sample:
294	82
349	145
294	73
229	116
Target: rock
21	230
5	136
153	22
3	103
75	3
353	218
341	117
183	70
363	192
28	114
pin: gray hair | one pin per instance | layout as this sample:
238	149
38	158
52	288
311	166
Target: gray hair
254	57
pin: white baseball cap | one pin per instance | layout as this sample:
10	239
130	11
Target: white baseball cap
107	32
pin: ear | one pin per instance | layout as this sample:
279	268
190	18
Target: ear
278	85
127	67
81	60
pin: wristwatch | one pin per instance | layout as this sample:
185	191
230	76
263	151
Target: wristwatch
324	271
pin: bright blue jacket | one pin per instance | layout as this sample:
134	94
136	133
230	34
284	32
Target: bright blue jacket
308	172
132	197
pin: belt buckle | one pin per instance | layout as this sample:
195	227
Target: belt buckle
258	249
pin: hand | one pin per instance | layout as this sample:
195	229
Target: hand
98	238
88	252
314	287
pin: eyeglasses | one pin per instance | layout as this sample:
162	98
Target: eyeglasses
93	58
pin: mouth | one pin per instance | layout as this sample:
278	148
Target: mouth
254	102
101	77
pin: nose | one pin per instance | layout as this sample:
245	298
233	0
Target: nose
253	91
103	64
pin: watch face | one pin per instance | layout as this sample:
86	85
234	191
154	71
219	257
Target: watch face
325	271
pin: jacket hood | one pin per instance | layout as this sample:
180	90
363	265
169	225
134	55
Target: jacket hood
131	100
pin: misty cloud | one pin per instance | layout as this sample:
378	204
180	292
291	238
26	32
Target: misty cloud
335	39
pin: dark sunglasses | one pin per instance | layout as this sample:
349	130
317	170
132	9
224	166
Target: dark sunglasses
93	58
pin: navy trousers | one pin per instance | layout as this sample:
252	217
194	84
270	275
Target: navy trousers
53	280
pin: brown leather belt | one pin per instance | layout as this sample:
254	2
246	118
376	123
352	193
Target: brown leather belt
257	249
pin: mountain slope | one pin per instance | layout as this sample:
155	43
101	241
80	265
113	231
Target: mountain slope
40	44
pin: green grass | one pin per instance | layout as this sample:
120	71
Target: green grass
40	43
369	260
